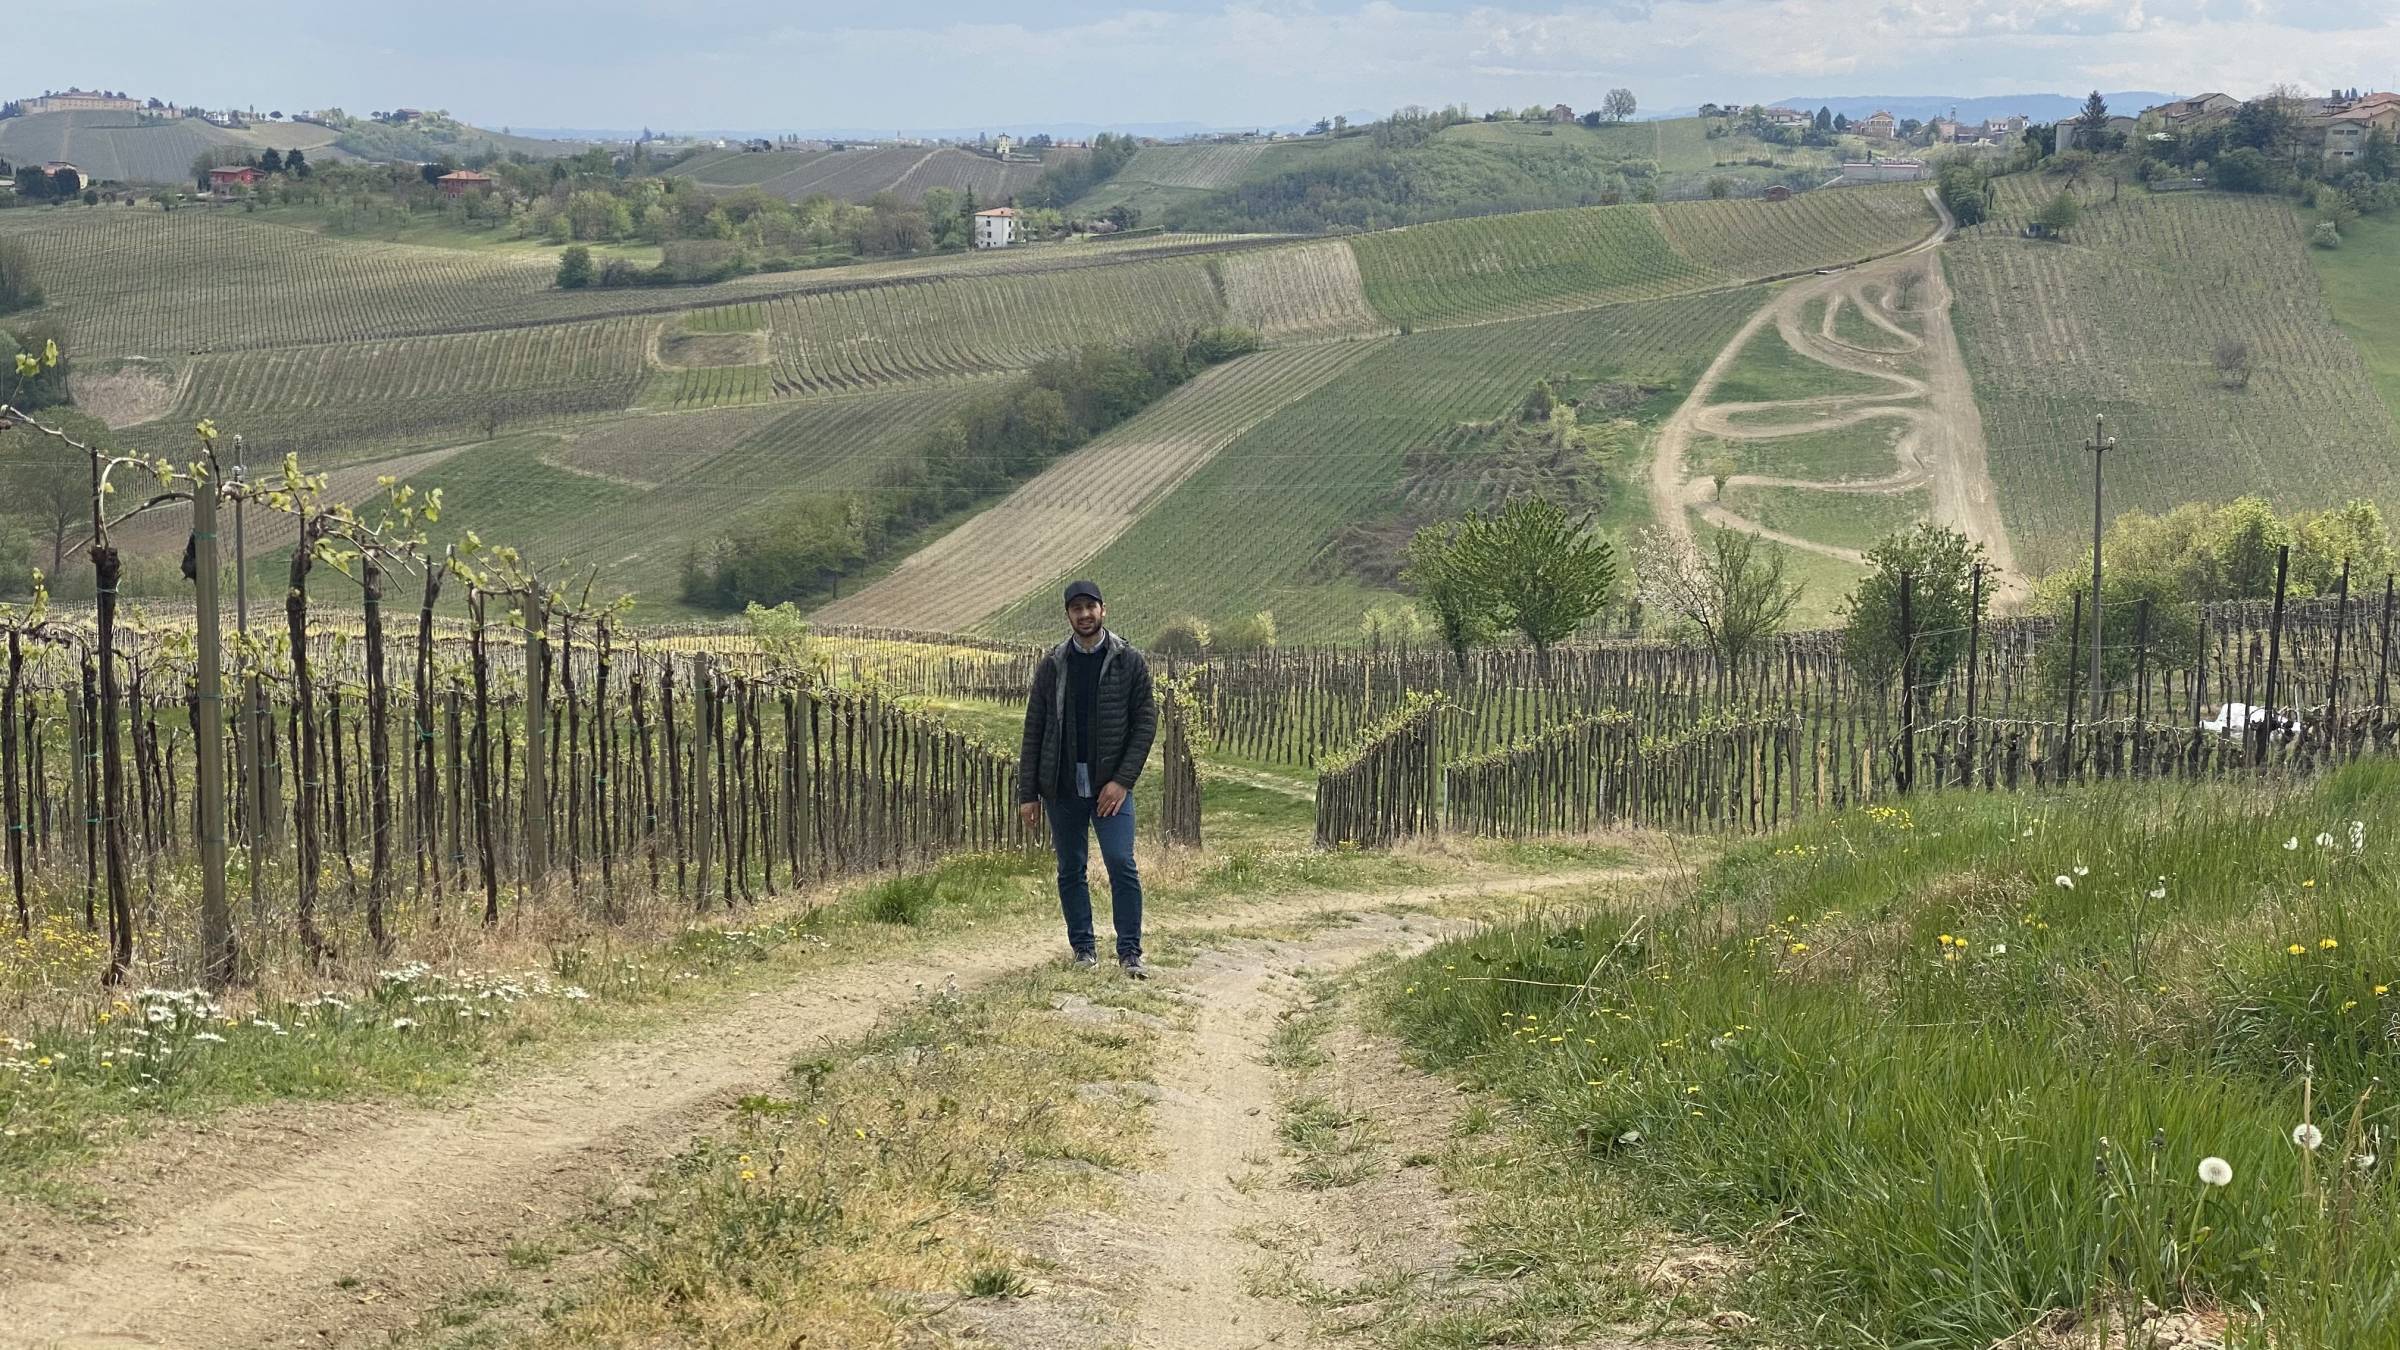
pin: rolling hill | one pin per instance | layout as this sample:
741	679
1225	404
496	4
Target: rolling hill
116	147
2123	318
863	172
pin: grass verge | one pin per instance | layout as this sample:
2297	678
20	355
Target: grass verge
1946	1073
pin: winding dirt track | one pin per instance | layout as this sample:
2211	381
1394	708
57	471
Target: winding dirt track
345	1232
1941	444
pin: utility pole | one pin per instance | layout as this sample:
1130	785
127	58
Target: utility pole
2100	444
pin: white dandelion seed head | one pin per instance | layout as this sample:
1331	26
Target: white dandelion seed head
2063	882
2216	1171
403	1023
2082	871
2307	1136
2325	839
2291	843
2158	892
1999	949
1630	1138
2364	1162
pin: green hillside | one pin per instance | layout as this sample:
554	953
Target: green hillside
119	147
1533	262
862	172
1162	177
1252	528
2124	319
1406	172
2362	285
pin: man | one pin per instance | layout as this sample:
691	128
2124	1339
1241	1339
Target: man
1088	726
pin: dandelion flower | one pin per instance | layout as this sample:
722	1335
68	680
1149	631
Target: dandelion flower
2295	949
2216	1171
2063	881
2382	989
2327	944
2291	843
2307	1136
1799	948
748	1175
2325	839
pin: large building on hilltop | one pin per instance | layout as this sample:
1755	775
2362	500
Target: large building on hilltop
80	100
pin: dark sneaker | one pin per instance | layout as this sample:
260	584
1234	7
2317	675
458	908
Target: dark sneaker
1133	968
1086	961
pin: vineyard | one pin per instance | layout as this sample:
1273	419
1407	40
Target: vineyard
1536	262
139	282
862	173
941	328
1244	532
2123	319
1756	239
1159	176
1298	292
662	484
117	147
1073	509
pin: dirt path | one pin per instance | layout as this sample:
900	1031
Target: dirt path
381	1210
1940	447
1194	1263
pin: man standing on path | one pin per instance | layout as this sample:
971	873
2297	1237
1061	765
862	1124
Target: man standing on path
1088	726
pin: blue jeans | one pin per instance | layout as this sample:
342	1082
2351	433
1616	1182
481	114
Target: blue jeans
1072	823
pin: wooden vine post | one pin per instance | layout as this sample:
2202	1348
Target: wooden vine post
220	958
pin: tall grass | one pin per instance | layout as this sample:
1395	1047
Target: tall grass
1946	1068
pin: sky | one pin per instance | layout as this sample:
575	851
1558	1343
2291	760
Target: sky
673	64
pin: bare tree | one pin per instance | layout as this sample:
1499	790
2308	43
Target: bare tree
1729	592
2233	362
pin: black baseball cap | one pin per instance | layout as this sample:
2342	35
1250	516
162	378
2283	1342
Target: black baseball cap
1084	590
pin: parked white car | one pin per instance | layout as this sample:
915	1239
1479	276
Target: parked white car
2237	719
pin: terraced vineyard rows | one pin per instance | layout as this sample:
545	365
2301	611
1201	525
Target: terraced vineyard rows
664	483
1460	271
1245	531
2123	319
606	360
1193	166
943	328
1072	510
1754	239
1301	291
235	284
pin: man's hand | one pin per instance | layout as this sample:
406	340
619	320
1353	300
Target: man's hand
1030	813
1112	798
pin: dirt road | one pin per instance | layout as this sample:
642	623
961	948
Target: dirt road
340	1235
1941	444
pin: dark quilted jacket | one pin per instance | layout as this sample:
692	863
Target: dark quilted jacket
1124	720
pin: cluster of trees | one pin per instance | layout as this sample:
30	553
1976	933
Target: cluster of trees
804	548
2197	553
36	184
268	161
18	288
1195	637
1071	176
